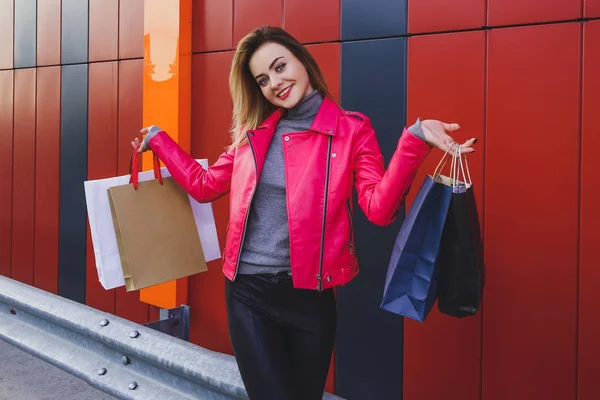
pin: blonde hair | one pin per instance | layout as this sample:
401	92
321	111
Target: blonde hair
250	107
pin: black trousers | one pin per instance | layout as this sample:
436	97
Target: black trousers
282	337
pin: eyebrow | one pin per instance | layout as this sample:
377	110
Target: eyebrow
270	66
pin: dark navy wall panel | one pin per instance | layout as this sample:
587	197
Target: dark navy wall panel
367	19
25	33
73	172
74	31
369	348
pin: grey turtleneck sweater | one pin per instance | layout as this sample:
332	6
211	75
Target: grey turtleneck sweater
266	248
267	244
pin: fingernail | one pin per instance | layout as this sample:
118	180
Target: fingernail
475	140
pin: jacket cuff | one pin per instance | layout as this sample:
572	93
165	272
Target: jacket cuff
151	133
417	130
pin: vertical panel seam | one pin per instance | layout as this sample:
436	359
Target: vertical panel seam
12	164
118	39
35	118
282	14
232	23
579	198
484	130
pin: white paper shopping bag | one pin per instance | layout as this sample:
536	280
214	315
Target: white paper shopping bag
104	239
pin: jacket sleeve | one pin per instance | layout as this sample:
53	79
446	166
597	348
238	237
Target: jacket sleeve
203	185
381	192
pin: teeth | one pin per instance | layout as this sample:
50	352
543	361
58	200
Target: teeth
284	91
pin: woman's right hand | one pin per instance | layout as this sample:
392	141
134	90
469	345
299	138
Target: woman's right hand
139	144
142	145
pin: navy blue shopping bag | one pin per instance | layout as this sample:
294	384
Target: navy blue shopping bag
411	283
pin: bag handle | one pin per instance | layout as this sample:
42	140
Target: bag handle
443	161
134	167
456	166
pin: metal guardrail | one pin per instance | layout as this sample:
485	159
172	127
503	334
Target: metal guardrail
117	356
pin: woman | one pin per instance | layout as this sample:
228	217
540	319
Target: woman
291	168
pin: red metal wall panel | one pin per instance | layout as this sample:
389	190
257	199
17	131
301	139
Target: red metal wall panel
48	32
591	8
6	169
104	30
23	176
589	278
328	58
511	12
212	26
128	305
308	26
131	29
47	179
210	136
428	357
6	33
250	14
102	161
443	15
531	213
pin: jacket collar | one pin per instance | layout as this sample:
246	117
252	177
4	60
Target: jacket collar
325	121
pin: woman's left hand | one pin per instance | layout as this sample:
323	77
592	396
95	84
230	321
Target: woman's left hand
436	134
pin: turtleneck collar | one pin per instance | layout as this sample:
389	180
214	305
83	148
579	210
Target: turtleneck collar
307	107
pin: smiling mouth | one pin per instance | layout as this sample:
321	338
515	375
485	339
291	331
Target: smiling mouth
284	93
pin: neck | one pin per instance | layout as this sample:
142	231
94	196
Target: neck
307	107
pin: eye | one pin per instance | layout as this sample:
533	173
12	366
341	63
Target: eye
263	81
280	67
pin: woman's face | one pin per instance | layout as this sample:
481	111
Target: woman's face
281	77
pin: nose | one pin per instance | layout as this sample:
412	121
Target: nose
276	82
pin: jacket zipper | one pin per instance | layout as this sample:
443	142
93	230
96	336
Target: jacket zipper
320	274
237	265
350	241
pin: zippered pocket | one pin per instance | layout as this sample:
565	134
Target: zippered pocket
351	234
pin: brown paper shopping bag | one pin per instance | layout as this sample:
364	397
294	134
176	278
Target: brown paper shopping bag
156	234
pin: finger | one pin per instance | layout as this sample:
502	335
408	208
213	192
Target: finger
133	144
450	127
143	131
470	142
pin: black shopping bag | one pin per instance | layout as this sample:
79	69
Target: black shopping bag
462	270
411	283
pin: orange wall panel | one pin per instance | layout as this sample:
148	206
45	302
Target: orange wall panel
6	33
47	179
6	169
210	136
531	213
591	8
212	26
327	56
446	350
131	29
250	14
102	161
104	30
589	279
443	15
23	176
511	12
308	26
48	32
128	304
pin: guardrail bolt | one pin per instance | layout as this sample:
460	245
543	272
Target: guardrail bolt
133	386
102	371
104	322
125	360
134	334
